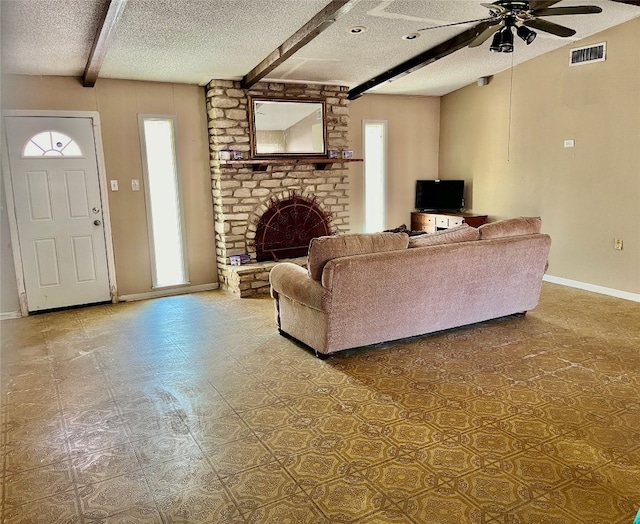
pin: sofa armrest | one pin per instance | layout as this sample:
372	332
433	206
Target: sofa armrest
294	282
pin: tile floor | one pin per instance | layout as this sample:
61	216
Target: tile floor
193	409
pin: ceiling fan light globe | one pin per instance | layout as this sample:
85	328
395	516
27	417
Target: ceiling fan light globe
495	43
502	41
526	34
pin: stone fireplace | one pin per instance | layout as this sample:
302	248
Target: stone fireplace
244	194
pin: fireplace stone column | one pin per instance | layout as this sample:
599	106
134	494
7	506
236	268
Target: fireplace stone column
240	195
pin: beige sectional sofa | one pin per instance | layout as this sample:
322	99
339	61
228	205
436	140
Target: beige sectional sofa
362	289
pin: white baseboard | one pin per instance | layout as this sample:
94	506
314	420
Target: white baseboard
10	315
168	292
140	296
635	297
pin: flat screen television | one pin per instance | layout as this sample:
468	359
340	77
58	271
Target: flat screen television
445	195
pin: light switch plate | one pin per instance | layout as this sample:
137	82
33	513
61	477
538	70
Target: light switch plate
114	185
135	184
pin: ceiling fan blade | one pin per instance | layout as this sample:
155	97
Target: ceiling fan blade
549	27
573	10
455	23
486	33
630	2
541	4
495	7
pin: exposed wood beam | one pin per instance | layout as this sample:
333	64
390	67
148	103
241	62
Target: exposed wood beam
299	39
112	14
425	58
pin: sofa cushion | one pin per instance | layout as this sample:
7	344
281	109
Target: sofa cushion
324	249
511	227
463	233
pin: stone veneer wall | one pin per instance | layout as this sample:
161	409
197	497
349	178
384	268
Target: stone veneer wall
241	195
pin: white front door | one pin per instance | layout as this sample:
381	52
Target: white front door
56	193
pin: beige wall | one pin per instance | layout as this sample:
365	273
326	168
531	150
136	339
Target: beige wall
9	302
412	147
119	103
587	195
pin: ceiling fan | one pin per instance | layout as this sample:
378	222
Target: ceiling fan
504	17
521	15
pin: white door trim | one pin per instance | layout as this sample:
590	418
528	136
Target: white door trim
104	196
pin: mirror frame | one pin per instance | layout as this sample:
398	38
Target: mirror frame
252	127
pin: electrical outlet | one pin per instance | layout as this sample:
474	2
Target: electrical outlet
135	184
569	142
617	244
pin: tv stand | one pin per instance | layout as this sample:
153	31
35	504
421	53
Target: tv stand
432	221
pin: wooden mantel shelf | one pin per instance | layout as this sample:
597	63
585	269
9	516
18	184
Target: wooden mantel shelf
260	164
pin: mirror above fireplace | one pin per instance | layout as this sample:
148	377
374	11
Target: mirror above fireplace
281	127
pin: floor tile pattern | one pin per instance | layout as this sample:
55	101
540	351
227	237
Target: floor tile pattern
192	409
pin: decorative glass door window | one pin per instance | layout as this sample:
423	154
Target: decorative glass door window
51	143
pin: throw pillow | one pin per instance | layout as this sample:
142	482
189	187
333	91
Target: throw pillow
510	227
324	249
463	233
404	229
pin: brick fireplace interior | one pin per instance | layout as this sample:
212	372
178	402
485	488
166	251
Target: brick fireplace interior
242	195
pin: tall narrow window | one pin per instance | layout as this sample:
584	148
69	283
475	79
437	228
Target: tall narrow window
164	210
375	152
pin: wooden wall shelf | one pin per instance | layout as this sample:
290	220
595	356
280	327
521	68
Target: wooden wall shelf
261	164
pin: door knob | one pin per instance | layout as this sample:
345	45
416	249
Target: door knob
96	222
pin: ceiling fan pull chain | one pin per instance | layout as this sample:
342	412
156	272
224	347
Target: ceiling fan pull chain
510	111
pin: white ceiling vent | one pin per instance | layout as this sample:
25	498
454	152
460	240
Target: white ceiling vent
588	54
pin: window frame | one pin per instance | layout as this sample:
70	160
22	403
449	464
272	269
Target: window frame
384	125
142	118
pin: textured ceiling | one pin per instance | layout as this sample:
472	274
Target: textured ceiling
193	41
